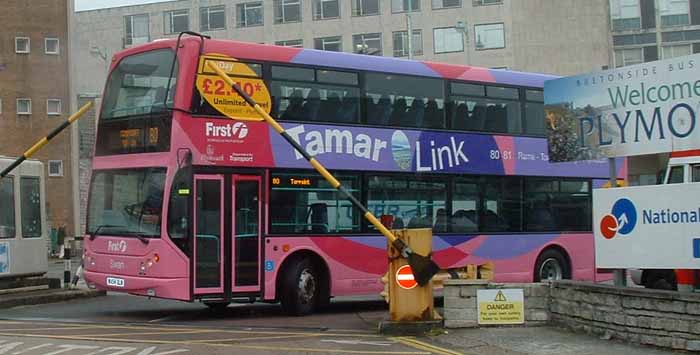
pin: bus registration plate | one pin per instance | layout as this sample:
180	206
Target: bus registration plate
115	281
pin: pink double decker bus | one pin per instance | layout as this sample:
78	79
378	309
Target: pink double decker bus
187	204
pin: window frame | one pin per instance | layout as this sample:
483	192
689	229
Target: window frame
25	209
361	37
28	47
129	40
404	35
243	7
323	39
435	49
54	113
476	36
317	10
208	10
46	46
60	168
358	13
284	43
281	5
432	5
393	11
486	2
29	101
169	22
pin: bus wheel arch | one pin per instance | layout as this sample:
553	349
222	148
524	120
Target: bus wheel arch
553	263
302	267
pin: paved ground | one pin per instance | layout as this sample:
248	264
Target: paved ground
121	324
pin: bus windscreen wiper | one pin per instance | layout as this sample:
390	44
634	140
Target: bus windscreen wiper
139	236
93	235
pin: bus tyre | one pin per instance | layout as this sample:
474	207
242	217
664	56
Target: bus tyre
660	280
300	288
217	306
551	265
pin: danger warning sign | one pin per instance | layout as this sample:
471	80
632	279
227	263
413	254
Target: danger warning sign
504	306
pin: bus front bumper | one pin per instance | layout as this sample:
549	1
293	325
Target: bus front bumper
171	288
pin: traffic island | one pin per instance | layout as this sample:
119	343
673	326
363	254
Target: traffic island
665	319
28	296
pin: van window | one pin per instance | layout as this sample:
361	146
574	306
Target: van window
696	173
676	175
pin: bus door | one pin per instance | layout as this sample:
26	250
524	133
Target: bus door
246	246
209	230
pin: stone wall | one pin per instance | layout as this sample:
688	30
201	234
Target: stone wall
652	317
460	309
662	318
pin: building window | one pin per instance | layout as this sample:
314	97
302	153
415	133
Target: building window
296	43
334	44
21	44
7	212
405	5
24	106
448	40
55	168
53	107
674	12
486	2
30	200
625	15
625	57
489	36
287	11
401	43
326	9
212	18
367	43
365	7
136	28
668	52
177	21
249	14
443	4
51	46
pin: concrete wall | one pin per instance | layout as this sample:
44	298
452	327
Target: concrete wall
651	317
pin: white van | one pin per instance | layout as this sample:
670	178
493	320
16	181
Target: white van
683	167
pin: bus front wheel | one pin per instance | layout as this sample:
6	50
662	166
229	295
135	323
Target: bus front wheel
301	286
552	265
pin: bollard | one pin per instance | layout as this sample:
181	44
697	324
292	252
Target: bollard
409	302
66	268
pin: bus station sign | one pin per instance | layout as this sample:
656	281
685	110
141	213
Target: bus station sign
647	227
222	97
640	109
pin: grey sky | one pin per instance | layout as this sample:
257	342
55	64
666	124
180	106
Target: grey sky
83	5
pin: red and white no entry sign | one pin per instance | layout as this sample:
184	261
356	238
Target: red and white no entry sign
404	278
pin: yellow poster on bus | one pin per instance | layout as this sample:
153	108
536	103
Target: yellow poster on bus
224	98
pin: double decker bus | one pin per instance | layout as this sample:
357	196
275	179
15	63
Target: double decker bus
187	204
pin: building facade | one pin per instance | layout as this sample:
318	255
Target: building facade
34	95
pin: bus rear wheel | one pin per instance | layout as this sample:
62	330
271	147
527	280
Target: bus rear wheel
552	265
301	286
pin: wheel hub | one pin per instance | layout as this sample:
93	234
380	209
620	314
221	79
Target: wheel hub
551	270
307	286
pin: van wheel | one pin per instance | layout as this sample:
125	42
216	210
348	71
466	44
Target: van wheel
552	265
301	285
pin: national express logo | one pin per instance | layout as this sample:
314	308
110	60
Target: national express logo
622	219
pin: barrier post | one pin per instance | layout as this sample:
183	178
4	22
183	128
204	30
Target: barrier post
411	306
66	266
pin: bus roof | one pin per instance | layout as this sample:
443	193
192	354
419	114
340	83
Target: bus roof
341	60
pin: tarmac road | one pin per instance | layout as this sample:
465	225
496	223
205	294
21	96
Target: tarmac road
122	324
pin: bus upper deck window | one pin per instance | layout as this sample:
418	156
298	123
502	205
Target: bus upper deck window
676	175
